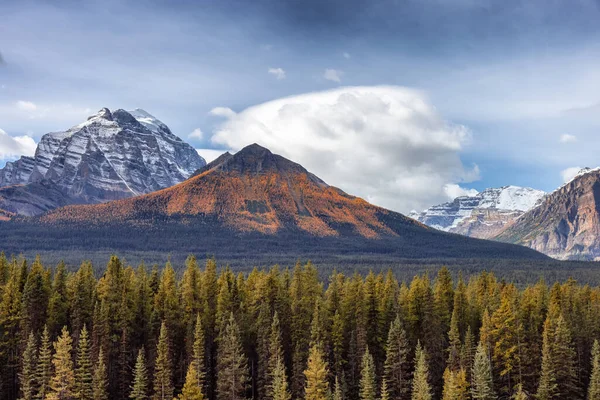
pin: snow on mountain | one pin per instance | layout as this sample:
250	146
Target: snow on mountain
109	156
509	200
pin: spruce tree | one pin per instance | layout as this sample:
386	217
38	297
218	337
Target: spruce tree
100	380
139	389
163	373
519	393
316	373
83	371
232	365
44	365
62	384
421	390
385	394
594	387
397	364
27	377
194	379
279	387
482	384
275	350
368	387
337	390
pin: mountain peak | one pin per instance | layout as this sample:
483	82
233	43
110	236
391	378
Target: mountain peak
103	113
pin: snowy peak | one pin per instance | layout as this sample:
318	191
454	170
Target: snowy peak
149	121
511	198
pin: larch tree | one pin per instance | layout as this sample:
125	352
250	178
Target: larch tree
317	387
482	381
456	386
83	371
62	384
421	390
139	388
368	386
232	365
594	387
163	372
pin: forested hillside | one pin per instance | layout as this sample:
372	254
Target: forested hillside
279	334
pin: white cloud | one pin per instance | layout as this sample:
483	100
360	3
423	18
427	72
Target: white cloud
196	134
15	146
386	144
453	191
346	55
210	154
569	173
567	138
224	112
279	73
26	105
333	75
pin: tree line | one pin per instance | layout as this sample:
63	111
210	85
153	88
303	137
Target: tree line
282	334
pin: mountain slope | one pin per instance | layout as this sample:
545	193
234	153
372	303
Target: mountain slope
483	215
253	205
566	225
112	155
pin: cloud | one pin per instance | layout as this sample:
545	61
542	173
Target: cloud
26	105
266	47
196	134
346	55
567	138
210	154
224	112
569	173
279	73
386	144
2	62
453	191
333	75
15	146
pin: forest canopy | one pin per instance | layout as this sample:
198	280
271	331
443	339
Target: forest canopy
280	334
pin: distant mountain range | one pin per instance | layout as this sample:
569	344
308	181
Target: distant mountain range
248	205
111	155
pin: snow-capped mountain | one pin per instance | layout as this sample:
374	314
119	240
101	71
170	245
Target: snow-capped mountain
112	155
483	214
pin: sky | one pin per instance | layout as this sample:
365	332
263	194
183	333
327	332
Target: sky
407	103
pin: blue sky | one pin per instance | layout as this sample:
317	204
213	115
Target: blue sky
520	79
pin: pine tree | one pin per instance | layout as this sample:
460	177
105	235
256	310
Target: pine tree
44	365
385	394
100	380
58	304
594	387
27	377
275	350
368	387
279	386
316	373
83	372
194	379
163	373
139	389
397	365
232	370
62	384
455	385
337	390
483	386
420	388
519	393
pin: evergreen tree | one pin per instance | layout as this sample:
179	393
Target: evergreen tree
368	386
139	389
519	393
483	386
279	386
100	380
421	390
58	305
594	387
62	384
163	373
397	364
27	377
337	390
194	379
316	373
83	371
35	299
385	394
44	365
232	370
455	385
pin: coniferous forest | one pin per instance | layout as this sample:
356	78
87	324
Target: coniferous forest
280	334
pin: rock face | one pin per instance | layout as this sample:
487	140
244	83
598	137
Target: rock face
251	205
112	155
566	225
483	215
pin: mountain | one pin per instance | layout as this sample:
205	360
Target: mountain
483	215
566	225
112	155
253	205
